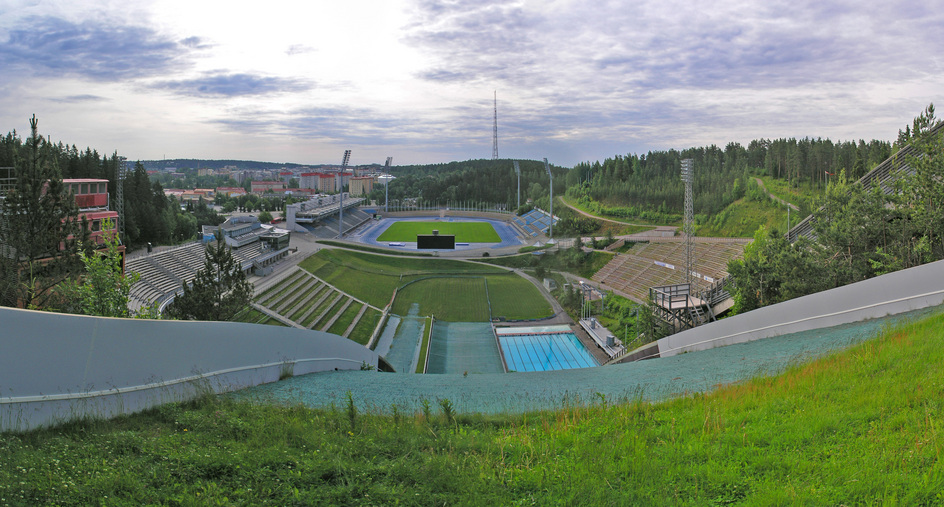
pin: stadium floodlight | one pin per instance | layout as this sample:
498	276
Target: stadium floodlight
688	225
387	184
518	172
551	177
347	158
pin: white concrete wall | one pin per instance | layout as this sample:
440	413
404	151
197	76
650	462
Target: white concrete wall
55	367
899	292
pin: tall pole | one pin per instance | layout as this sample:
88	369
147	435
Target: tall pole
688	172
347	158
495	130
387	184
551	177
518	172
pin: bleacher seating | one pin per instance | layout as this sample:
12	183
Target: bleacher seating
634	272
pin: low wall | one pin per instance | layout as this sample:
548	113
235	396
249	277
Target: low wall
56	367
899	292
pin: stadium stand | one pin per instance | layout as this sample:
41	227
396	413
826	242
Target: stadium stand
662	262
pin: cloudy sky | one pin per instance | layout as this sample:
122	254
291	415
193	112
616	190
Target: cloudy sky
301	81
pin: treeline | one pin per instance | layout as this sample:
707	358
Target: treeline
860	232
650	185
149	215
477	181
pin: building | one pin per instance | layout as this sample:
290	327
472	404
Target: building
361	185
259	187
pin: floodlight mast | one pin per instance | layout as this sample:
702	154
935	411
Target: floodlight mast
347	158
688	226
518	172
387	184
551	177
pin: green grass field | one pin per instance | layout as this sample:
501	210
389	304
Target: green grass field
449	299
465	232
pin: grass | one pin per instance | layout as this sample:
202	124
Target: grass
863	426
742	217
365	248
465	232
346	318
515	298
365	327
373	278
424	346
450	299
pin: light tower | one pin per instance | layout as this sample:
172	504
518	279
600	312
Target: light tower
120	172
551	177
495	130
387	184
347	158
688	226
518	172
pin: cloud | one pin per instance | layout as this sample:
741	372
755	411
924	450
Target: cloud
99	51
233	85
79	99
299	49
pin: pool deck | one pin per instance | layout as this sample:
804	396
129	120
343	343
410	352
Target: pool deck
599	333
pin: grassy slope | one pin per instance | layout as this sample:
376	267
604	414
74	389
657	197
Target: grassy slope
863	426
465	232
742	217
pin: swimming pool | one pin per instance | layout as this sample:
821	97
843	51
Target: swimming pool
543	349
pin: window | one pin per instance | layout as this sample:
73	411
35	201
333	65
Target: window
96	225
84	189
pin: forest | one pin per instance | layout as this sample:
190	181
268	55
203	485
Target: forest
150	216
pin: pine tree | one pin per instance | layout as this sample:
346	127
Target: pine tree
40	229
219	291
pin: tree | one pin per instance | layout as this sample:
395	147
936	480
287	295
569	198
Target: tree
40	230
219	291
104	289
265	217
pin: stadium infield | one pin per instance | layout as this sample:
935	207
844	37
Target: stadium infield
465	232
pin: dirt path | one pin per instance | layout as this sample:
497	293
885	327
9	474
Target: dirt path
760	183
588	215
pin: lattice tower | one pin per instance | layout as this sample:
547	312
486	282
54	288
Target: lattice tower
495	130
347	158
550	177
120	173
688	226
387	184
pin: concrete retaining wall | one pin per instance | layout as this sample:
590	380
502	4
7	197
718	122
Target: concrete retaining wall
56	367
899	292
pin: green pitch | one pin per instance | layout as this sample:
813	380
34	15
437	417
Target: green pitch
465	232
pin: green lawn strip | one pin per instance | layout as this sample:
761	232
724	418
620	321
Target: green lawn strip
285	290
515	298
302	293
858	427
316	311
311	310
330	306
452	299
465	232
289	293
365	327
336	313
279	288
301	309
424	347
270	321
345	320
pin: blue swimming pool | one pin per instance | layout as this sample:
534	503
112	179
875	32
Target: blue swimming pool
544	351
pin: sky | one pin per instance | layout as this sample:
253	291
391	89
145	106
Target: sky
416	80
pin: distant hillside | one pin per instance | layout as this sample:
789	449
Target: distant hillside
195	163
